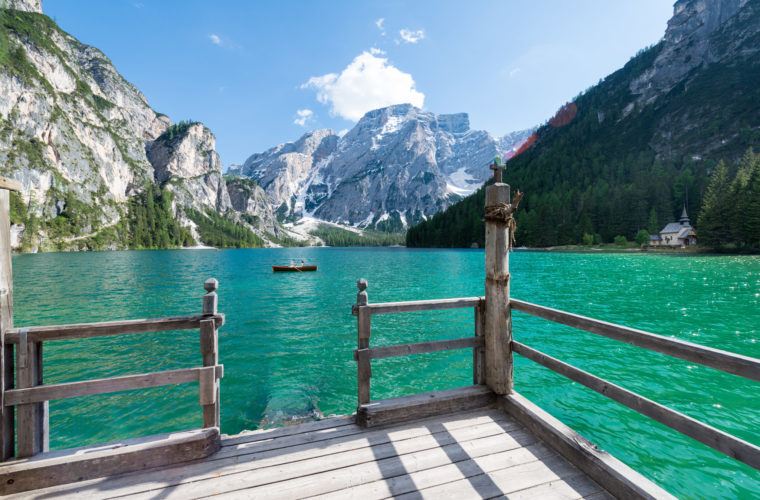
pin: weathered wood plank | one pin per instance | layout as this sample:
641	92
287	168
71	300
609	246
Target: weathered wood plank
423	347
609	472
498	325
426	469
487	478
290	430
269	480
28	441
729	362
79	464
479	352
716	439
209	343
388	411
7	415
106	385
11	185
303	456
423	305
108	328
364	331
406	472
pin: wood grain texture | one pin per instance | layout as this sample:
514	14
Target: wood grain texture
479	352
424	347
10	184
393	410
498	332
7	416
423	305
108	328
612	474
728	362
714	438
209	342
80	464
106	385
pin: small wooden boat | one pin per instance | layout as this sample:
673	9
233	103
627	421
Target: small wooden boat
293	269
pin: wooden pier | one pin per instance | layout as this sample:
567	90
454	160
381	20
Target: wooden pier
480	441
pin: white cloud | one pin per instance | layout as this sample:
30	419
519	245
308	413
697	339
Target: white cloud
304	116
215	39
410	36
367	83
514	72
379	24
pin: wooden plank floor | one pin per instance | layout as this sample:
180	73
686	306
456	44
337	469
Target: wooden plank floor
476	454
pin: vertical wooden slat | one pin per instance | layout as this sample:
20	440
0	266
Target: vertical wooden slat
42	413
207	388
30	428
364	368
210	353
478	352
498	333
7	421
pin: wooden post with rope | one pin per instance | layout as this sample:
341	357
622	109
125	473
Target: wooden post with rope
500	227
7	420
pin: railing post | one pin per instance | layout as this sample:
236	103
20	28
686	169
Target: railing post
364	331
478	352
7	414
498	321
32	427
209	388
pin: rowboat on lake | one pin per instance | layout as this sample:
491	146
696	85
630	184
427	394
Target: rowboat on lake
293	268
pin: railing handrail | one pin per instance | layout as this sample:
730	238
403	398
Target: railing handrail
717	439
420	305
725	361
64	390
109	328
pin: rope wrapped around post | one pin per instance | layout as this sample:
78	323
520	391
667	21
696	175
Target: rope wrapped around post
504	213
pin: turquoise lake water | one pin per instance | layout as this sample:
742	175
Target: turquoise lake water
287	345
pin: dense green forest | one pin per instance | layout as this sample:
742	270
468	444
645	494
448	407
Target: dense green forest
219	231
336	237
618	168
152	223
730	216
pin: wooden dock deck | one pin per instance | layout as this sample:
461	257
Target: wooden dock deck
483	453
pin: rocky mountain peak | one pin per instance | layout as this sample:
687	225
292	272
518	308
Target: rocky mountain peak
25	5
686	44
457	123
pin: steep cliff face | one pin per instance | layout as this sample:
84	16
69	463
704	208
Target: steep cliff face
397	166
85	143
687	45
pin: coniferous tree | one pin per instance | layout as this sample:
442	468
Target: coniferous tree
714	219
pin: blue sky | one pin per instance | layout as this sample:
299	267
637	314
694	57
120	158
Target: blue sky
259	73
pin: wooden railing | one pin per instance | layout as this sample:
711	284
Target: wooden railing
364	311
728	362
30	396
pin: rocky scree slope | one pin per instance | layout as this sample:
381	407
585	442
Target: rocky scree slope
397	166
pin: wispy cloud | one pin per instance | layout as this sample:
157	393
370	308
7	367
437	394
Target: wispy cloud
514	72
368	82
379	24
409	36
304	117
224	42
138	5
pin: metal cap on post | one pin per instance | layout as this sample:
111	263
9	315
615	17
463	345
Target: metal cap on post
498	324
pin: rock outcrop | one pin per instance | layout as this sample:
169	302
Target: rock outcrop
395	167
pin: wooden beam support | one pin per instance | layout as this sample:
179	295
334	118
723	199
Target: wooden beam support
498	324
392	351
428	404
105	385
609	472
479	351
423	305
109	328
210	352
7	414
716	439
728	362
